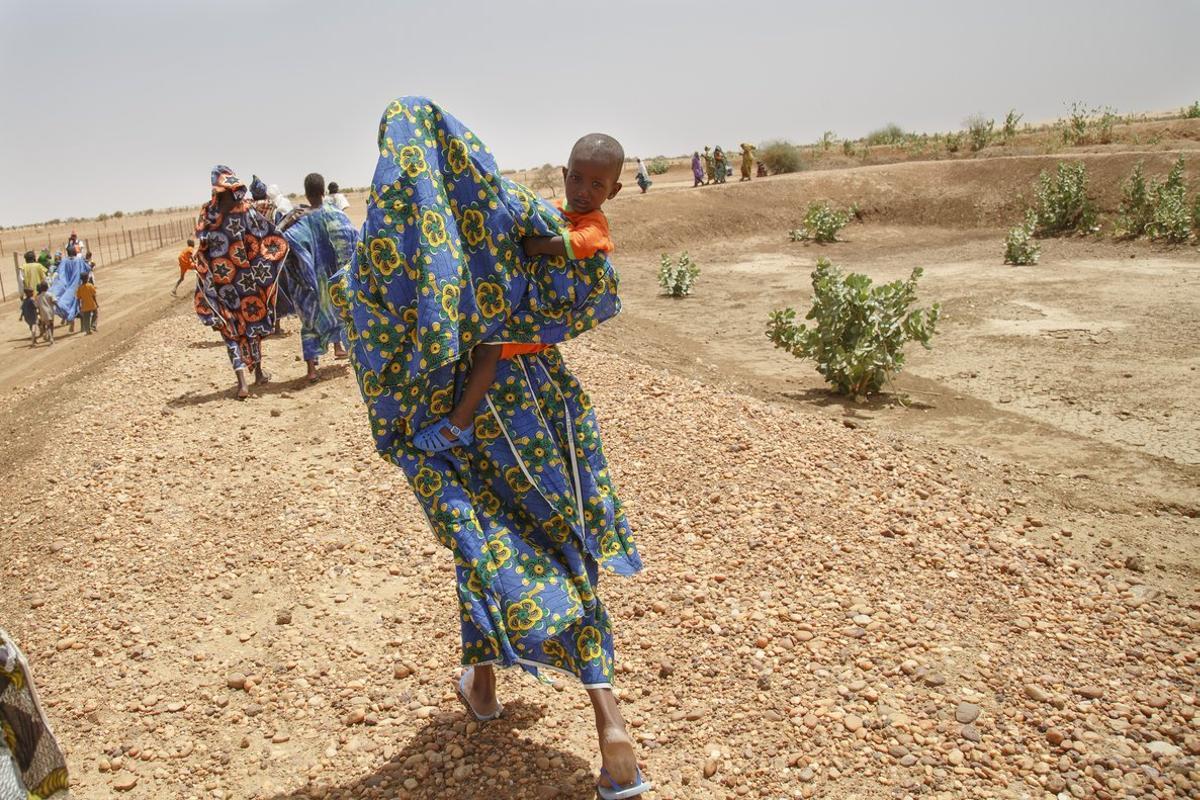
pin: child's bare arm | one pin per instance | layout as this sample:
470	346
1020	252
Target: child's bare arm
483	374
545	246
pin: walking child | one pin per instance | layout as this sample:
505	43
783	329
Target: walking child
46	310
29	315
186	264
88	307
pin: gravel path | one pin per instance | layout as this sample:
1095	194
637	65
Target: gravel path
240	600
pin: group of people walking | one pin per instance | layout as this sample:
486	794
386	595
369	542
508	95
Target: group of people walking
58	288
713	165
258	258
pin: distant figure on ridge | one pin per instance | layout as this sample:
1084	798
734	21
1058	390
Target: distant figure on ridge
708	165
747	161
697	170
719	164
643	176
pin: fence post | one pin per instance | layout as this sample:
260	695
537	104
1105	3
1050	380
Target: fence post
130	235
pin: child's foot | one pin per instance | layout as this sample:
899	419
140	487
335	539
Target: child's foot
313	377
261	377
340	352
243	391
617	757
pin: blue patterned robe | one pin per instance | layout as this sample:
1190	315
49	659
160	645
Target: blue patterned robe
321	243
529	510
67	277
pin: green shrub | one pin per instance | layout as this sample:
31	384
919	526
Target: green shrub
860	330
821	224
1135	211
827	140
780	156
1063	205
979	131
888	134
1172	218
1010	124
1085	125
677	276
953	142
1192	111
847	148
1020	247
1196	215
658	166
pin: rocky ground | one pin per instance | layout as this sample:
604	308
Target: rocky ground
239	600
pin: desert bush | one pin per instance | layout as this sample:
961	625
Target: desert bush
1063	205
1010	124
847	148
821	224
1020	247
547	177
677	276
118	214
1135	212
859	331
658	166
780	156
1192	111
979	131
1085	125
827	140
953	142
101	217
888	134
1172	219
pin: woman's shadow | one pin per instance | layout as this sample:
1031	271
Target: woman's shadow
497	763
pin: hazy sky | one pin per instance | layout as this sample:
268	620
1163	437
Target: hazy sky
127	104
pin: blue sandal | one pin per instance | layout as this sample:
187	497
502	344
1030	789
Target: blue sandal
431	440
616	792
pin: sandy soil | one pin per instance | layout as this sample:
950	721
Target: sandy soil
229	599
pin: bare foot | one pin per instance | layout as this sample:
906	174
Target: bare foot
313	377
481	691
340	352
617	755
261	377
243	392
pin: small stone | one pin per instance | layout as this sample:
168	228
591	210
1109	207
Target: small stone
710	767
1090	692
970	733
1036	693
1055	737
1161	748
356	717
966	713
280	737
934	679
283	617
955	757
807	774
236	680
1135	564
908	760
853	722
125	782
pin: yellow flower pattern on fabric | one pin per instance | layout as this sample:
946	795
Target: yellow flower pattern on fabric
441	270
412	161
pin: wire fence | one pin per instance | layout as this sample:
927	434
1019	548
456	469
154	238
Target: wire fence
111	248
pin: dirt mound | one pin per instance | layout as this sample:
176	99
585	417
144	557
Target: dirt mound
985	192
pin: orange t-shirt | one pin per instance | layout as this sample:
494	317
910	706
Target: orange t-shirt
510	349
87	296
587	233
185	261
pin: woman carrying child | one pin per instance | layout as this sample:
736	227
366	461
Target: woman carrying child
458	297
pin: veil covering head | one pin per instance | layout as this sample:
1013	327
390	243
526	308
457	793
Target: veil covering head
441	268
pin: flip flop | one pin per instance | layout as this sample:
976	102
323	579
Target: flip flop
461	690
431	440
616	792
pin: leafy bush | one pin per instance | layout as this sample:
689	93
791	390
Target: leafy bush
979	130
953	142
1020	247
888	134
860	330
1085	125
847	147
821	224
677	276
118	214
1063	205
1135	212
1192	111
658	166
1158	210
780	156
1010	124
827	140
1172	217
